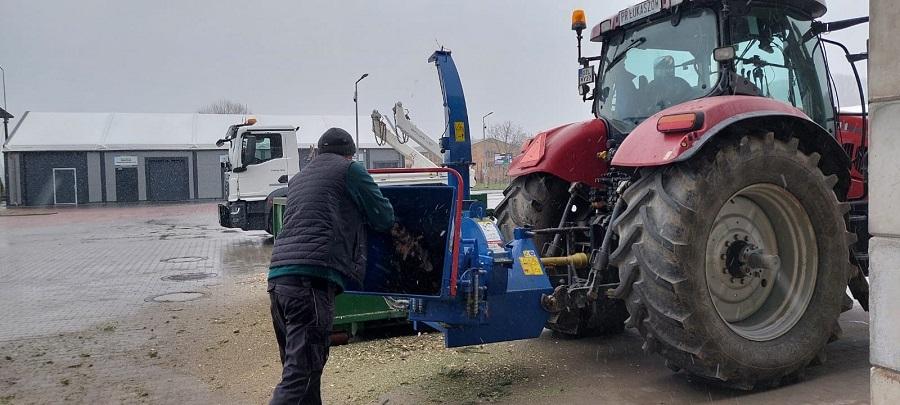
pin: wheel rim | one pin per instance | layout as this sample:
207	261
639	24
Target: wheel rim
761	262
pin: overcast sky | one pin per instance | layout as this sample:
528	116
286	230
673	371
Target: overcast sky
516	58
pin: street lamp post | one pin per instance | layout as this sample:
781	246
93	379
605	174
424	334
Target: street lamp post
356	102
3	71
484	125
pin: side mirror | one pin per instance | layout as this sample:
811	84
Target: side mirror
584	89
283	179
724	54
220	142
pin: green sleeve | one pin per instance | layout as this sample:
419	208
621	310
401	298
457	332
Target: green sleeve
365	193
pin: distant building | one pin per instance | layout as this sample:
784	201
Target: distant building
78	158
492	158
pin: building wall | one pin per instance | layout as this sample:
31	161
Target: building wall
37	175
142	156
206	184
95	178
486	169
31	174
884	224
31	181
209	173
14	185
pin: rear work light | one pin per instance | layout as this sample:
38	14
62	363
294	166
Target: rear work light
680	123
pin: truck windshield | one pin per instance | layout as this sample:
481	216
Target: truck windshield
655	66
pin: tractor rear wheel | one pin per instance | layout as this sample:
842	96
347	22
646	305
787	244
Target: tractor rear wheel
538	200
734	264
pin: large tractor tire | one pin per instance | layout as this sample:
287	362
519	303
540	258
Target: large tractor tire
734	264
538	200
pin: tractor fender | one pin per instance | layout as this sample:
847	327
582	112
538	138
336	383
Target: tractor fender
571	152
646	146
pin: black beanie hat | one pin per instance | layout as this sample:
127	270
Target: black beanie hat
337	141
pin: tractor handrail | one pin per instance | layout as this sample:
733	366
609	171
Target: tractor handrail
457	220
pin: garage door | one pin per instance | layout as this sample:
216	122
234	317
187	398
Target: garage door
167	179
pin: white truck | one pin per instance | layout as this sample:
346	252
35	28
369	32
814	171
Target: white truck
261	160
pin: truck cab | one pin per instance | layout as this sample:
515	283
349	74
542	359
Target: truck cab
261	160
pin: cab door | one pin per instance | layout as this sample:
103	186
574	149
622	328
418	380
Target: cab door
263	161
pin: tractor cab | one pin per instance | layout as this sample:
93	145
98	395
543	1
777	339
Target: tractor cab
662	53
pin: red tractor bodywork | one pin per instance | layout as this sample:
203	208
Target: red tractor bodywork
851	138
647	147
575	152
570	152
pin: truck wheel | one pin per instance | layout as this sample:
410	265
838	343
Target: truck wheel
734	264
539	200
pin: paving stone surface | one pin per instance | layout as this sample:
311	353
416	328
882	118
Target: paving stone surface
66	271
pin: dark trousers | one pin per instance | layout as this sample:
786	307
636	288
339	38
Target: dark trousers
302	314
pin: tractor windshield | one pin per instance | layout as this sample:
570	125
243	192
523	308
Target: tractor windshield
655	66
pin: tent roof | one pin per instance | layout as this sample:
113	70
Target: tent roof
55	131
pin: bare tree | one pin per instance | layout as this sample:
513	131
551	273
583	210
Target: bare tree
224	106
510	134
503	142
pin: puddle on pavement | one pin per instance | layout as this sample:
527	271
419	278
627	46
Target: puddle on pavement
250	255
184	259
188	276
172	236
182	296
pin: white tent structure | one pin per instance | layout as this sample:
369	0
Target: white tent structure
50	131
76	158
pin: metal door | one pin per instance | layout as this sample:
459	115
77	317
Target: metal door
126	184
167	179
65	186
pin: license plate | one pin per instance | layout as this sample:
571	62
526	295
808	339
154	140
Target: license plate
639	11
586	75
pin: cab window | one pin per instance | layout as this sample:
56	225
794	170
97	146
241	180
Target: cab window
266	147
773	55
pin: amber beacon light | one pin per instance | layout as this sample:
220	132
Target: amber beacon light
579	21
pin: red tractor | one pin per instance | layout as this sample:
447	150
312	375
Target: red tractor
718	192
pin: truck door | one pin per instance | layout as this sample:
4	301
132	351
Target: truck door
262	155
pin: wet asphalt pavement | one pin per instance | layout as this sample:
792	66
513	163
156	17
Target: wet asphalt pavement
65	274
70	268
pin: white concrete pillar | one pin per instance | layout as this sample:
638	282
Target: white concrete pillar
884	207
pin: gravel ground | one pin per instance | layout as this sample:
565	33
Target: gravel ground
86	331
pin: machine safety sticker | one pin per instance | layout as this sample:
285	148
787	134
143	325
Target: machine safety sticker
494	240
460	128
531	266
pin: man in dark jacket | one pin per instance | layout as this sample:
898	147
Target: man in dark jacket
320	250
